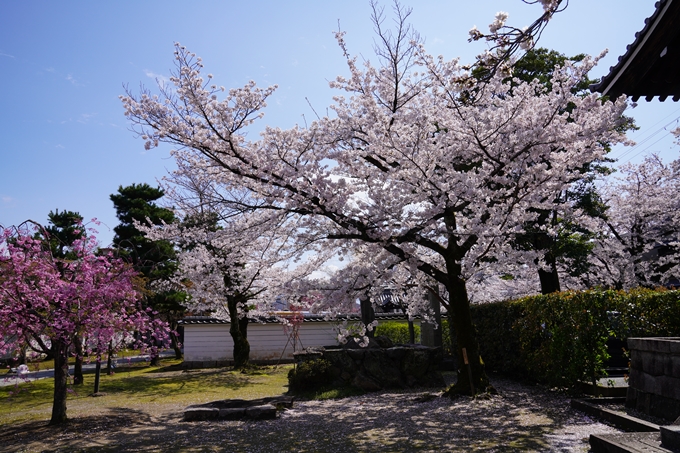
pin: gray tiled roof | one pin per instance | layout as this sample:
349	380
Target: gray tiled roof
306	318
649	67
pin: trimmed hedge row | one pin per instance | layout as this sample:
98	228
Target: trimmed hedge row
397	331
560	339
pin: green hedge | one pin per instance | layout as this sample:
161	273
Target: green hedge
310	375
560	339
397	331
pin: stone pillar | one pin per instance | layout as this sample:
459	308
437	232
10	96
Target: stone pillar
654	382
429	336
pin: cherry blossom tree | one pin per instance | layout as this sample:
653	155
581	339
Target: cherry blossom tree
63	229
640	241
420	158
89	296
233	261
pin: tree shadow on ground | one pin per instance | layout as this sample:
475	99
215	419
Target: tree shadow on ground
521	418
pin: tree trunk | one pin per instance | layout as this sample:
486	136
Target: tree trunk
78	367
155	360
550	280
60	351
542	241
174	338
97	374
239	330
109	360
472	377
367	314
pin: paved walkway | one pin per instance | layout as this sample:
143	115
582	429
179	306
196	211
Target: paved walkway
15	378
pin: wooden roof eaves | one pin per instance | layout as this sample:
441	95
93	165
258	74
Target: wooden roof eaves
609	81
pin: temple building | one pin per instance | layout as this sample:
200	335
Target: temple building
651	65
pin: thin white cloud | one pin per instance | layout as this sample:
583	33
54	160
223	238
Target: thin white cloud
3	54
85	117
60	146
73	80
7	199
160	78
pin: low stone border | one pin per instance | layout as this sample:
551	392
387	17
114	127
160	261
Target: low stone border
260	409
598	407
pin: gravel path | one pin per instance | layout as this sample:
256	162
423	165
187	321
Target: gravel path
520	418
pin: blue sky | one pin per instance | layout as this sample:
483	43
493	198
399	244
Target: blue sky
65	140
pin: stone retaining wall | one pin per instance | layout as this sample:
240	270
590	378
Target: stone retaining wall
376	368
654	382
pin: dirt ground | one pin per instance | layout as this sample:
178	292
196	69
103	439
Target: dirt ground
519	418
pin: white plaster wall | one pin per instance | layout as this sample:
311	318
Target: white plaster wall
212	342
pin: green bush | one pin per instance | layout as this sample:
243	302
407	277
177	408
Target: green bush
310	375
563	336
560	339
648	313
397	331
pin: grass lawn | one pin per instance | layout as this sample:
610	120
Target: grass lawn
141	385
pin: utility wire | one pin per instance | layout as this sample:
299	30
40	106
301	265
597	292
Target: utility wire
650	137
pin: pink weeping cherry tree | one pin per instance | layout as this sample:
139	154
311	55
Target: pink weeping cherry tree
91	296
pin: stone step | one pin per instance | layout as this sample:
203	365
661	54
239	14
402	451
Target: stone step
608	387
618	371
627	443
599	408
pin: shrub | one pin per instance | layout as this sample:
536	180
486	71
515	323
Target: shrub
397	331
561	339
310	375
563	336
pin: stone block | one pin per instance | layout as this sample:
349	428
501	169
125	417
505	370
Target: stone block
670	387
670	437
232	413
201	413
306	355
652	363
263	412
674	365
634	344
674	345
356	354
384	342
396	353
385	371
647	383
339	358
660	345
635	359
365	383
666	408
